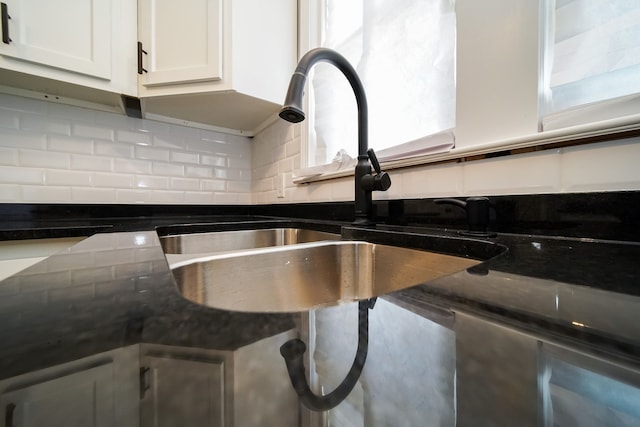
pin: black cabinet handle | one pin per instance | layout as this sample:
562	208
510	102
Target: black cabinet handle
5	23
141	51
8	414
144	381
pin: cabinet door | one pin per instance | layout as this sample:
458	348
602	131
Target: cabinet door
73	35
81	399
181	43
179	392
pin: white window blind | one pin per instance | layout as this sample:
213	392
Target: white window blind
593	56
404	53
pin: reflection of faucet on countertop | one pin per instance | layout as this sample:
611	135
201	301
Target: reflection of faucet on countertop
365	181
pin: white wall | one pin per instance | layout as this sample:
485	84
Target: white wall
53	153
606	166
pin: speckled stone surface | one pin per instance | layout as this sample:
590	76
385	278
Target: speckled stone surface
114	289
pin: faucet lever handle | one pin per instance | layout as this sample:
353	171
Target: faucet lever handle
374	160
380	181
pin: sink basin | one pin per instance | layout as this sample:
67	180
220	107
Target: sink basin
305	276
226	241
184	247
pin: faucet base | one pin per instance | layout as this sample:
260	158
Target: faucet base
364	222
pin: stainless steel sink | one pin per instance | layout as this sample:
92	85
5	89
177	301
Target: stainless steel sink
301	277
226	241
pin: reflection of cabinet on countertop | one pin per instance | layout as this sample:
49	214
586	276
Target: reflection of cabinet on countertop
157	385
218	62
185	387
248	387
99	390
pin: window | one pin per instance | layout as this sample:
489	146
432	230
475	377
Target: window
593	55
404	53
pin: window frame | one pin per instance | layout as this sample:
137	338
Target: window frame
478	138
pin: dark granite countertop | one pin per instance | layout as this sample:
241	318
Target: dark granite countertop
115	288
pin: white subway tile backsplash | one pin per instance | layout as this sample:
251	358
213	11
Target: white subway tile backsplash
199	172
198	197
204	146
166	197
239	186
149	153
142	138
184	157
287	132
155	128
8	156
530	173
163	141
68	178
343	189
35	122
80	115
33	158
19	104
603	167
226	198
8	120
23	139
132	196
9	193
113	180
132	166
184	184
437	180
91	163
212	185
221	173
113	149
92	131
238	163
59	153
70	144
21	175
183	132
212	136
211	160
292	148
167	169
149	181
286	165
46	194
92	195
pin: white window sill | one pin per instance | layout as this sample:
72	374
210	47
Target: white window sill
579	134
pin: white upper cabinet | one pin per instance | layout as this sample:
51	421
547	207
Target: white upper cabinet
180	44
74	37
225	63
83	43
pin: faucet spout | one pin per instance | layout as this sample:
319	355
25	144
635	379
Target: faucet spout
292	112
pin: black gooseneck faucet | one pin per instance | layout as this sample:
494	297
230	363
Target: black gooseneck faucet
365	181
